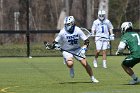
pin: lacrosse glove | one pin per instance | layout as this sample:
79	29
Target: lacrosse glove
83	51
47	45
111	37
56	46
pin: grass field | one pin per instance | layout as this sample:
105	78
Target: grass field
50	75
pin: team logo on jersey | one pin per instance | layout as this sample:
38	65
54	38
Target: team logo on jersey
73	39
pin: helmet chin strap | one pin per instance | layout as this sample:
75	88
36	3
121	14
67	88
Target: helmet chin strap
102	20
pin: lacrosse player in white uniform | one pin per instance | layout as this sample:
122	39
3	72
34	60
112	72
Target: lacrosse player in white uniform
103	31
69	40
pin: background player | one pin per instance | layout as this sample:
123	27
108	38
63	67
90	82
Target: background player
69	38
130	40
103	30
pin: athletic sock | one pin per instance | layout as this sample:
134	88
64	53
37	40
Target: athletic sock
92	77
95	59
134	77
104	61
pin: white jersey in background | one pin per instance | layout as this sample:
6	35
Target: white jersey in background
70	41
101	28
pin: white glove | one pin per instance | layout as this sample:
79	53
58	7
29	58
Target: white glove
57	47
82	51
111	37
108	45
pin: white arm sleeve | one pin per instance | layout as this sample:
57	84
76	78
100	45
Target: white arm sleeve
110	25
58	38
121	47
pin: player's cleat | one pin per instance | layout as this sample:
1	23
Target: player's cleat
72	72
94	80
104	65
95	63
134	81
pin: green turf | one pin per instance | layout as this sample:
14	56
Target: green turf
50	75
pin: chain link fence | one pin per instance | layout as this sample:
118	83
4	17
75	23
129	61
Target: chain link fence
14	43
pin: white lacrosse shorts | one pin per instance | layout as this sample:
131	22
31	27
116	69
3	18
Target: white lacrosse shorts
67	55
101	45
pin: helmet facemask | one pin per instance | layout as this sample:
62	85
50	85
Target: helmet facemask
68	26
69	23
101	15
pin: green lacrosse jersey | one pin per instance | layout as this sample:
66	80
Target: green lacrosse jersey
132	40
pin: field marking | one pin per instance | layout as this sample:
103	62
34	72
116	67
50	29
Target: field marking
112	91
5	90
31	68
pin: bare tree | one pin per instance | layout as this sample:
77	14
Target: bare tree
62	16
78	10
90	12
67	7
103	4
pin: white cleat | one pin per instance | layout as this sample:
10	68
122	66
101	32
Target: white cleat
133	82
72	72
104	65
95	80
95	64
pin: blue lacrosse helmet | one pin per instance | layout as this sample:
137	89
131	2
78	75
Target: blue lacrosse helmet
69	23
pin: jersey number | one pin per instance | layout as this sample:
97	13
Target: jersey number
73	41
102	29
138	38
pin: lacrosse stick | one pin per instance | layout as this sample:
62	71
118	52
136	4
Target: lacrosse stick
50	47
89	34
126	53
122	53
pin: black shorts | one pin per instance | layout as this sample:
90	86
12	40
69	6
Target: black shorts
130	61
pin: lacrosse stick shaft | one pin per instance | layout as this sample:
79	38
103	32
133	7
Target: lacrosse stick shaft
49	47
72	53
126	53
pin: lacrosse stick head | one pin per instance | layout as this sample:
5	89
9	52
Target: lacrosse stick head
47	45
87	32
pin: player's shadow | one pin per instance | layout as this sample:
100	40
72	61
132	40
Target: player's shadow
74	82
130	84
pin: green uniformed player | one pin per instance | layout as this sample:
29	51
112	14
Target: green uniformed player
131	41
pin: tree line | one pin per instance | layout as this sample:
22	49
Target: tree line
44	14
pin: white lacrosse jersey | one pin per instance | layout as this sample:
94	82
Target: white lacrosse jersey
101	29
70	41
